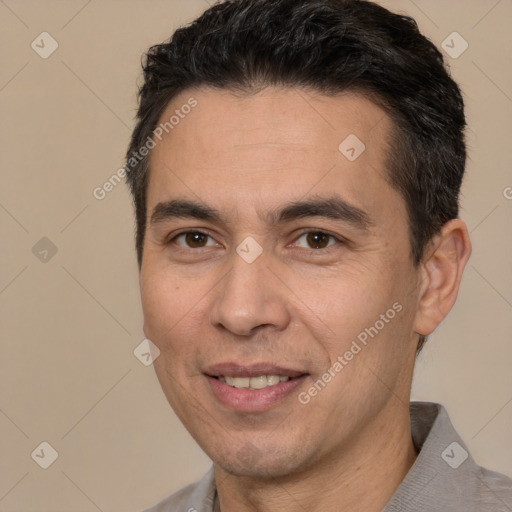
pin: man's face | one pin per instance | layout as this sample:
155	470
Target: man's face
334	277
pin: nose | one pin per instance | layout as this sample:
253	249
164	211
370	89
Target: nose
249	298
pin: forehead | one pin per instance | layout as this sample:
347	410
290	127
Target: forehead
299	118
283	143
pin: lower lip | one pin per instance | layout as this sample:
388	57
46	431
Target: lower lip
253	400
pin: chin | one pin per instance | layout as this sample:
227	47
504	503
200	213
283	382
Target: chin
252	462
262	470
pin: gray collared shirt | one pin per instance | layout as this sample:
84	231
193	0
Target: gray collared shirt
444	476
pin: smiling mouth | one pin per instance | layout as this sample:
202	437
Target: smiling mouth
256	382
253	388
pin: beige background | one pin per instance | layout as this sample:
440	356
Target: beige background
69	325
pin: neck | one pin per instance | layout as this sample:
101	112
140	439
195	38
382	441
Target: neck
363	478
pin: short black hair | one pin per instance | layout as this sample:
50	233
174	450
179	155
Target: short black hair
330	46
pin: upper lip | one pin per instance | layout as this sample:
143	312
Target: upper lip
230	369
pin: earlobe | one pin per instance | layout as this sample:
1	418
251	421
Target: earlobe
441	275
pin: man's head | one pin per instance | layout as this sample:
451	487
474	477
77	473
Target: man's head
298	205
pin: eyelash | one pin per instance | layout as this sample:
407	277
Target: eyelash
339	240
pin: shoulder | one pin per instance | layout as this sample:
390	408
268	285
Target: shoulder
495	490
445	476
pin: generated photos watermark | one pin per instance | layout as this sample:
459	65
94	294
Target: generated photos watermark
355	348
137	156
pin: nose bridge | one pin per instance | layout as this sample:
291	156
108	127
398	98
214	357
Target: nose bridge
249	297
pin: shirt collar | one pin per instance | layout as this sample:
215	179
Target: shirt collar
444	470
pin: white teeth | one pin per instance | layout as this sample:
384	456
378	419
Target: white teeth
272	380
241	382
259	382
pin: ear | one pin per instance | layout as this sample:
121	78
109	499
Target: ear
441	273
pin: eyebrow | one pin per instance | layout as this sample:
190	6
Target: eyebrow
331	208
181	209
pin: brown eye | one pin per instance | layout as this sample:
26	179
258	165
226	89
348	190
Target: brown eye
315	240
194	240
318	240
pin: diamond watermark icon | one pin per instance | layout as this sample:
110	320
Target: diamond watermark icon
352	147
454	45
146	352
454	455
45	455
249	454
44	45
249	250
44	250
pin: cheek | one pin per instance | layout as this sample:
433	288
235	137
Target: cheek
349	298
172	320
165	302
364	307
175	309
